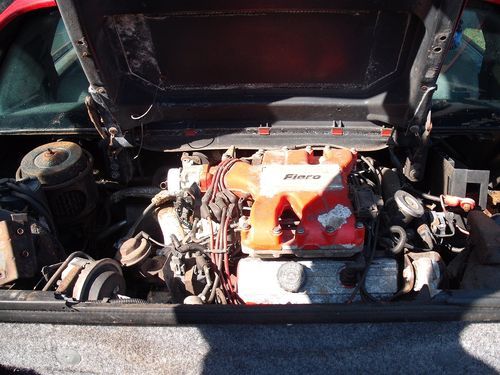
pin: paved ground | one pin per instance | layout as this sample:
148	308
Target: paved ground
306	349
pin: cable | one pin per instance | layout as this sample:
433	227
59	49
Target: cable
372	168
147	237
373	244
139	220
140	144
138	117
28	196
111	229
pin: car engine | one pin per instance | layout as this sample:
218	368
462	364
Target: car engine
279	226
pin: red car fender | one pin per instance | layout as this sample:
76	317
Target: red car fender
20	7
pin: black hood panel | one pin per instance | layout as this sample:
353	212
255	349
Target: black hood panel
250	50
374	61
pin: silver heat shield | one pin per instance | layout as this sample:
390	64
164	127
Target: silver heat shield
267	281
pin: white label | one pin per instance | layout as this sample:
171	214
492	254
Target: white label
336	217
277	178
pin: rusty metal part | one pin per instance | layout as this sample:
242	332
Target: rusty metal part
13	265
51	158
25	247
57	274
133	251
65	171
153	270
94	117
54	163
164	196
494	197
69	279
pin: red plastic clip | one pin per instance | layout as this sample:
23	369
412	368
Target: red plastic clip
465	204
190	132
385	132
264	130
337	131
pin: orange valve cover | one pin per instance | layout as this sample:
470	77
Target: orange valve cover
300	204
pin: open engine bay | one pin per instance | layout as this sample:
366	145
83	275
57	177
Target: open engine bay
254	159
281	226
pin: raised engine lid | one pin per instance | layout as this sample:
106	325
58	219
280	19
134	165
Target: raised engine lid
262	61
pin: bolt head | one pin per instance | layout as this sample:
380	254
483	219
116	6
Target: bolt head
466	207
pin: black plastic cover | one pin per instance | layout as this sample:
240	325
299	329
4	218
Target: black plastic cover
355	60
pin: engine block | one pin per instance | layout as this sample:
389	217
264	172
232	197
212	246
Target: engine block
300	204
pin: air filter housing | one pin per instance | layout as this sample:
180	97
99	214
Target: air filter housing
65	171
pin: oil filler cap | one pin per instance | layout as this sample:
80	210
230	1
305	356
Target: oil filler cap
291	276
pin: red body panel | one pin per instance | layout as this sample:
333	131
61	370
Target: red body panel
20	7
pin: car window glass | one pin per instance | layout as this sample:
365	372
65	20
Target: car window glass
471	71
40	68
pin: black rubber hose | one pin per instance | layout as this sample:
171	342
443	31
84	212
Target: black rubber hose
390	183
430	197
146	192
394	159
371	245
401	241
111	230
139	220
20	188
375	172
